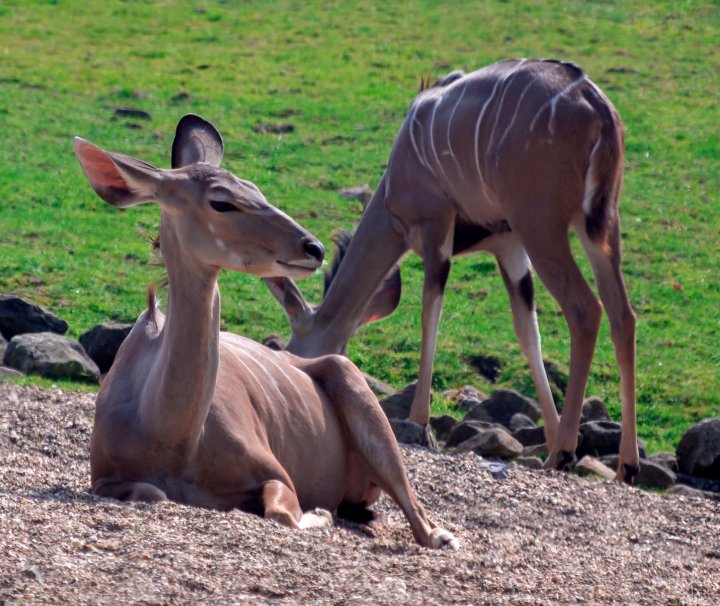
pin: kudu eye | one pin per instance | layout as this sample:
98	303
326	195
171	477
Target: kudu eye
223	207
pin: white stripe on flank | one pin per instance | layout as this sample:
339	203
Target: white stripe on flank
591	183
450	119
552	102
432	138
506	87
411	126
508	128
477	131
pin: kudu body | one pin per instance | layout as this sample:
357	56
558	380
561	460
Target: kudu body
209	418
506	159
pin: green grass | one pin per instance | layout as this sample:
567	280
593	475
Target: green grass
344	73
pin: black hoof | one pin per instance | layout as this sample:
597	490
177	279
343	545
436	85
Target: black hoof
630	471
565	460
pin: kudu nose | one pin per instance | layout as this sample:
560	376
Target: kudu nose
315	249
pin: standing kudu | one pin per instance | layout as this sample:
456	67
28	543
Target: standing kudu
210	418
506	159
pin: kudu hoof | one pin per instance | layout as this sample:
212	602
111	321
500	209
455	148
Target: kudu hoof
442	539
627	473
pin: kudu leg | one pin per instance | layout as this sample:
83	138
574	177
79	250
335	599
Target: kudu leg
608	275
437	241
372	439
557	269
517	275
281	504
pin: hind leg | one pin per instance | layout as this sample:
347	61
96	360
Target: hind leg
372	440
605	260
281	504
129	491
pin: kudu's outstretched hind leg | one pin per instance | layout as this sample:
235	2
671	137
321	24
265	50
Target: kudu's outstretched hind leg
372	439
605	260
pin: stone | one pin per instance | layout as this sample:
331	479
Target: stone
530	462
102	342
529	436
359	192
502	405
3	346
443	426
594	409
465	398
6	371
50	355
493	442
275	342
536	450
397	406
591	466
706	484
687	491
378	387
698	453
521	421
464	430
407	432
600	438
651	475
18	316
666	459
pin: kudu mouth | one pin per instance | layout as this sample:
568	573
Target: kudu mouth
314	253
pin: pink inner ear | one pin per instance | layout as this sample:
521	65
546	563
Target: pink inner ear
100	169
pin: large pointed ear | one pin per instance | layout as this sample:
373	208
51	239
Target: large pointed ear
196	140
289	296
118	179
385	299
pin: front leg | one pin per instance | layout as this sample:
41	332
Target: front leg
280	503
372	440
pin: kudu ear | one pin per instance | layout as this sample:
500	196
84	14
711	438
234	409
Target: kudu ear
118	179
385	299
289	296
196	140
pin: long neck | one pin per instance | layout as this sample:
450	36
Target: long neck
187	363
375	247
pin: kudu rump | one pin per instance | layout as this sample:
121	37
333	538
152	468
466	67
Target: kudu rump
506	159
210	418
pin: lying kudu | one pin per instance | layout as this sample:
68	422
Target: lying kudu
209	418
506	159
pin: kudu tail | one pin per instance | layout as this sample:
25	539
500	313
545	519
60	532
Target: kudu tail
603	179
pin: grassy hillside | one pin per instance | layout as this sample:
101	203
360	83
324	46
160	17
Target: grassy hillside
342	74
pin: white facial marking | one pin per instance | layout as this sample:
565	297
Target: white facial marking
211	227
236	260
220	244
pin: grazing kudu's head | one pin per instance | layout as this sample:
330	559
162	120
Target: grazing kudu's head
209	214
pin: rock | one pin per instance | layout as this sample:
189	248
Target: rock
687	491
102	342
397	406
275	342
487	366
529	436
3	346
706	484
360	192
274	128
493	442
443	426
666	459
123	111
50	355
464	430
6	371
594	409
465	398
502	405
590	465
530	462
537	450
521	421
18	316
600	438
651	475
407	432
380	389
698	453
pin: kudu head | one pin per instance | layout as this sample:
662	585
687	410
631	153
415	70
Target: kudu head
214	218
301	314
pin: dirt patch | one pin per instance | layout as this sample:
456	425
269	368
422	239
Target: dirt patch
533	538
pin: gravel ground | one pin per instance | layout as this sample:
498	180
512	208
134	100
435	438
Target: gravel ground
533	538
